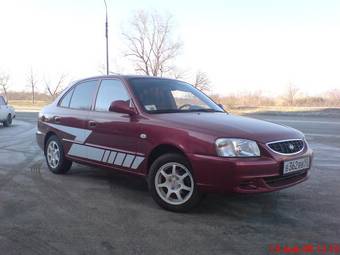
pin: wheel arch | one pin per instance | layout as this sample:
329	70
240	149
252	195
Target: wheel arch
162	149
47	136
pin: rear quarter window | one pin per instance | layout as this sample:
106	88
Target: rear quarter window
65	101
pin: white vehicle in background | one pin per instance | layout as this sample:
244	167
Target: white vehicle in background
7	113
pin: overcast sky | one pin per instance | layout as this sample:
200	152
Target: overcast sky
244	45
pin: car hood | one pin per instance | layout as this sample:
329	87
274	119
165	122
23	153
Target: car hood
226	125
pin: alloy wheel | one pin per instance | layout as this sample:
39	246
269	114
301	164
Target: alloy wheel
174	183
53	154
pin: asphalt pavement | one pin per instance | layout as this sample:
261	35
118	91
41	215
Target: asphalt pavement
94	211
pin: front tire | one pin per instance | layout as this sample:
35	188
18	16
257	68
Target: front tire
55	157
8	121
172	185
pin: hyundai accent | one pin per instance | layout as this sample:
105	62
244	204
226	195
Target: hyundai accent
172	134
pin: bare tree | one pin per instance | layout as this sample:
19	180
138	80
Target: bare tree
202	81
178	73
54	89
4	78
33	83
150	45
333	97
291	93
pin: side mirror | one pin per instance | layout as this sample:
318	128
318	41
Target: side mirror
122	107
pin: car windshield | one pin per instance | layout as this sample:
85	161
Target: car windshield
170	96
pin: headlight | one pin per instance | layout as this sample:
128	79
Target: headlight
230	147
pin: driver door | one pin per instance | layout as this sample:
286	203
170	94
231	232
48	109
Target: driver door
114	135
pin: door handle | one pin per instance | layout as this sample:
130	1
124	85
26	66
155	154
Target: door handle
92	123
56	119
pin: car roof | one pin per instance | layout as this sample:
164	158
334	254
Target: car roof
125	77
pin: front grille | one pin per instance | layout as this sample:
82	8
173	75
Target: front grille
287	147
278	181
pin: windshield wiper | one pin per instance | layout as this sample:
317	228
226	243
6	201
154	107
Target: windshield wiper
182	111
165	111
202	110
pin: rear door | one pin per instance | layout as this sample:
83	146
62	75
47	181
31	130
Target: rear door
70	119
114	140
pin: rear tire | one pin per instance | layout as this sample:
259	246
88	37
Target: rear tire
55	157
171	183
8	121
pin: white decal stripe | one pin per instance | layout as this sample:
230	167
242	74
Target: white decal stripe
100	153
70	141
128	160
95	153
112	157
80	134
119	159
106	156
78	150
137	162
109	148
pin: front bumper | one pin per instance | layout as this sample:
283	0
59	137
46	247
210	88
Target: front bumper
247	175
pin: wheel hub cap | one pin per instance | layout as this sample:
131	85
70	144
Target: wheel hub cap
53	154
174	183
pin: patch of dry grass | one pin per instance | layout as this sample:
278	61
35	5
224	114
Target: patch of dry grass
27	104
287	110
245	109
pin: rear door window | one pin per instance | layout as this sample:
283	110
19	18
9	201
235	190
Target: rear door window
83	95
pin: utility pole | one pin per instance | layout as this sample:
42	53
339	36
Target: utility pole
107	41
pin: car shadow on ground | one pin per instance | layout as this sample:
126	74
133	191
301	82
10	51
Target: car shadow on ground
11	126
113	178
227	205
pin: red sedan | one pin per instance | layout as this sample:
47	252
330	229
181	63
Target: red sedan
172	134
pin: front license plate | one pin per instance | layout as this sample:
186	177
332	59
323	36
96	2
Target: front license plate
295	165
